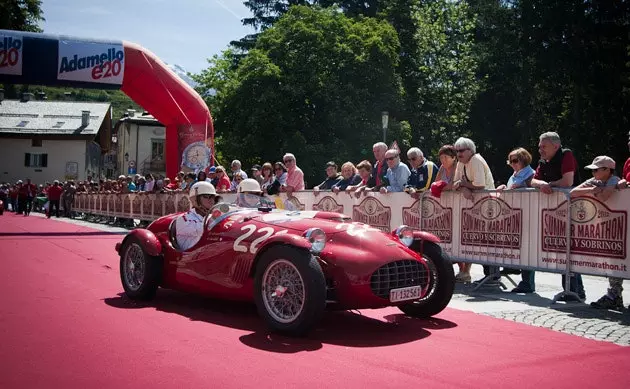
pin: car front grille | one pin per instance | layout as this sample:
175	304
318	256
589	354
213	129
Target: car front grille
398	274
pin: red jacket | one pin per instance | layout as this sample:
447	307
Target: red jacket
24	190
626	170
54	193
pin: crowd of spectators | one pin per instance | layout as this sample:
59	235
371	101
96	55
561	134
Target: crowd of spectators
461	168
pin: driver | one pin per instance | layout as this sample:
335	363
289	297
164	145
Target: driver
249	195
189	227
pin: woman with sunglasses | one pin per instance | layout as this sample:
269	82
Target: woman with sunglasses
189	226
520	160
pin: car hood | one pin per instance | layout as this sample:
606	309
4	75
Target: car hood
330	222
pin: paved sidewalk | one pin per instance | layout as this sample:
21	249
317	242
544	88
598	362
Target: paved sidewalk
535	309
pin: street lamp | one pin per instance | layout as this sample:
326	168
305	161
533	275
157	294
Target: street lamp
385	121
126	156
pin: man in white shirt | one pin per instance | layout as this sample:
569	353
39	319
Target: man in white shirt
189	226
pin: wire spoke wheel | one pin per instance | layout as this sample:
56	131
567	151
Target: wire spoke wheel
283	291
134	267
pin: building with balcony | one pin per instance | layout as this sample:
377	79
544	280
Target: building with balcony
140	140
53	140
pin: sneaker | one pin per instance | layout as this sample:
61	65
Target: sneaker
522	289
606	302
570	298
462	277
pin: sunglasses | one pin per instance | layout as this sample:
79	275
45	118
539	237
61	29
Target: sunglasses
206	196
514	161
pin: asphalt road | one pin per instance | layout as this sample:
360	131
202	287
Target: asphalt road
65	323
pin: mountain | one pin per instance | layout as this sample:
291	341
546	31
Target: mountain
183	74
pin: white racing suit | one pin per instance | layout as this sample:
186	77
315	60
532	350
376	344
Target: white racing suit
188	229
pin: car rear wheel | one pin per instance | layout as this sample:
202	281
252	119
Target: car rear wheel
441	283
290	290
139	272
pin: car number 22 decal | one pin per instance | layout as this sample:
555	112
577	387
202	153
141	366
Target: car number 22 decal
250	229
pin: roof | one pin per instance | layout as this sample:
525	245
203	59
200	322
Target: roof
144	119
42	117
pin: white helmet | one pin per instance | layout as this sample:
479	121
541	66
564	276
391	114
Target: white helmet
249	185
200	188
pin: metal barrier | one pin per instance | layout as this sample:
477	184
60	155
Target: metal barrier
522	229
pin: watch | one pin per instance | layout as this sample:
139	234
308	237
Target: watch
196	156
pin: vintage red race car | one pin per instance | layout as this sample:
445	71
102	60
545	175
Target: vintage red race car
292	264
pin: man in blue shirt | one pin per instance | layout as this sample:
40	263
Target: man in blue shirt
397	173
423	172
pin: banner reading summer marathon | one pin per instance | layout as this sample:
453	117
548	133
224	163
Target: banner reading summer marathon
91	62
11	45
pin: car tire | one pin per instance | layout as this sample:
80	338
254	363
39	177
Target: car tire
302	281
441	282
141	284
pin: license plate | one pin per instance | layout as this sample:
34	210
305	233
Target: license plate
403	294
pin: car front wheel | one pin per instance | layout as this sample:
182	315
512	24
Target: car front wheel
139	272
441	283
290	290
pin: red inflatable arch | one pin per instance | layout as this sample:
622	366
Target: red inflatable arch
43	59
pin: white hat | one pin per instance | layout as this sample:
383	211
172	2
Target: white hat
249	185
601	161
202	187
198	189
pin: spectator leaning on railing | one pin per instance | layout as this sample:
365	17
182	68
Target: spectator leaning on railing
613	298
397	173
472	173
423	171
557	168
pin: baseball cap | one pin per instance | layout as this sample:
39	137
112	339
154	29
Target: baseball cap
601	161
256	167
213	169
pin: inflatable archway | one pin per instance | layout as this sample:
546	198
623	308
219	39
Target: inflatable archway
44	59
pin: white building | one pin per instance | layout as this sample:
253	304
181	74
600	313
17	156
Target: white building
53	140
141	144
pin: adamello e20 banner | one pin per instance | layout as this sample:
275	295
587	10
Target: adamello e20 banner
91	62
11	45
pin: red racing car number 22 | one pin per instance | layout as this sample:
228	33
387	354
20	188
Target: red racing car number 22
249	230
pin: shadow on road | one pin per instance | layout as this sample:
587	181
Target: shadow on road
343	328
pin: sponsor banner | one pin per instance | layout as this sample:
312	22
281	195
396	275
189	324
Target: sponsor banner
193	147
371	211
328	204
525	229
92	62
11	48
598	235
491	222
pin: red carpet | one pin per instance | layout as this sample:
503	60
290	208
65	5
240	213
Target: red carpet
64	325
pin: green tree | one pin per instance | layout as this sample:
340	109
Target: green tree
440	73
314	85
21	15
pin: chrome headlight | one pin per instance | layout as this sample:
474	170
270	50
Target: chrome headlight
405	234
317	238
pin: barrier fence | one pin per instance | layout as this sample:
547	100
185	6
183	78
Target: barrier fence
523	229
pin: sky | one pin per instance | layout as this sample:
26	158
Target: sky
181	32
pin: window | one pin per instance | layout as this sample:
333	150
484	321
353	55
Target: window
58	124
36	142
157	149
35	160
23	123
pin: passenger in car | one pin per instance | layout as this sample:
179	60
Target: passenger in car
251	196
